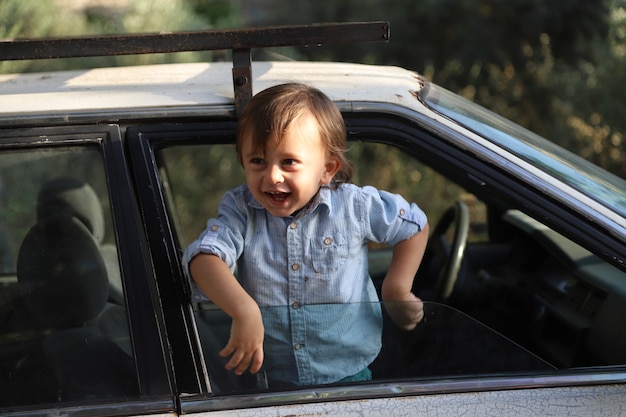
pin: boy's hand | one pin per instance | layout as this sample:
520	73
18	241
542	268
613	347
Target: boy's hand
406	314
245	345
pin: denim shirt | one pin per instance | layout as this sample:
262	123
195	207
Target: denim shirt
309	275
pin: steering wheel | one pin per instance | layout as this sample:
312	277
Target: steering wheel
450	254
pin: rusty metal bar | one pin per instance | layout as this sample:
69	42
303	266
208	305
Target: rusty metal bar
318	34
240	41
242	78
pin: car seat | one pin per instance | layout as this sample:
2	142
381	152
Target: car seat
64	282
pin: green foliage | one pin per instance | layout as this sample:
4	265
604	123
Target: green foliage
385	167
47	18
197	177
35	19
218	13
593	101
555	67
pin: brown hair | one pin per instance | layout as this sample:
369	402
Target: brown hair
269	114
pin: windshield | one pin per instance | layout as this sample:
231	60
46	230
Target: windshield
447	343
573	170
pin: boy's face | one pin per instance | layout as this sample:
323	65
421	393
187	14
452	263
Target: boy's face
284	179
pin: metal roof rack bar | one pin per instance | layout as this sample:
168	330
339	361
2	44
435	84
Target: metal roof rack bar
318	34
240	41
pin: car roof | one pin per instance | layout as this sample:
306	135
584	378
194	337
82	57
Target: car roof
206	89
196	84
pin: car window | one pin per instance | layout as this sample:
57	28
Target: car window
446	343
63	326
389	168
383	166
197	176
546	294
572	169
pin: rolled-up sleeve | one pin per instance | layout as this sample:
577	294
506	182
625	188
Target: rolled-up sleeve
389	218
223	237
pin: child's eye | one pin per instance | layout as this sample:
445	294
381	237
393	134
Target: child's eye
289	162
256	161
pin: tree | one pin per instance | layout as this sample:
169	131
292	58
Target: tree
46	18
593	99
554	67
34	19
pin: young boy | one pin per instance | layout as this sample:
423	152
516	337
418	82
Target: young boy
297	233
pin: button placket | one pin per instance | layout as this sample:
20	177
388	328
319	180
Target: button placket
296	278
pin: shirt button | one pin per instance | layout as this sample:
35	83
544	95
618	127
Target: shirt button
401	212
295	267
293	225
298	346
215	228
328	241
295	305
306	279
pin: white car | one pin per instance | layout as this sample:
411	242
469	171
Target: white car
107	174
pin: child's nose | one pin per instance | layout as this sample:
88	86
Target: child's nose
275	174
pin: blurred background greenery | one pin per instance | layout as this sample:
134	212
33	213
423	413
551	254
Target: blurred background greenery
553	66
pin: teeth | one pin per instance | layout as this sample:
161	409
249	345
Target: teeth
278	195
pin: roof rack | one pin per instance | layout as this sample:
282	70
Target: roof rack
240	41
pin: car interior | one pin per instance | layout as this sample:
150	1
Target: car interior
487	263
64	333
504	293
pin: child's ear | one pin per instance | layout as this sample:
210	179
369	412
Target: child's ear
332	167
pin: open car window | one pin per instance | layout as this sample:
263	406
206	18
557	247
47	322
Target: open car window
211	170
487	263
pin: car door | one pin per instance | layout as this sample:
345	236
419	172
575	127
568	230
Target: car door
80	328
190	165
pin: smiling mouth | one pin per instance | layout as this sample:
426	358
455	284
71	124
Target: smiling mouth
278	196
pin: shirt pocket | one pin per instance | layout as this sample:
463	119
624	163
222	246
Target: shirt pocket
329	252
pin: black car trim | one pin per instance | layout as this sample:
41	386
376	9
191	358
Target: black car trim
152	405
149	341
142	295
393	130
489	176
185	348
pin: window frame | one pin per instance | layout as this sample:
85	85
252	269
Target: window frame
152	368
409	137
141	144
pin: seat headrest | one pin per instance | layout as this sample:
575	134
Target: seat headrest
69	197
59	266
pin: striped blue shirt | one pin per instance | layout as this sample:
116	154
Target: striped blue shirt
309	275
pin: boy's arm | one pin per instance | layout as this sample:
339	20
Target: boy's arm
245	345
407	256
